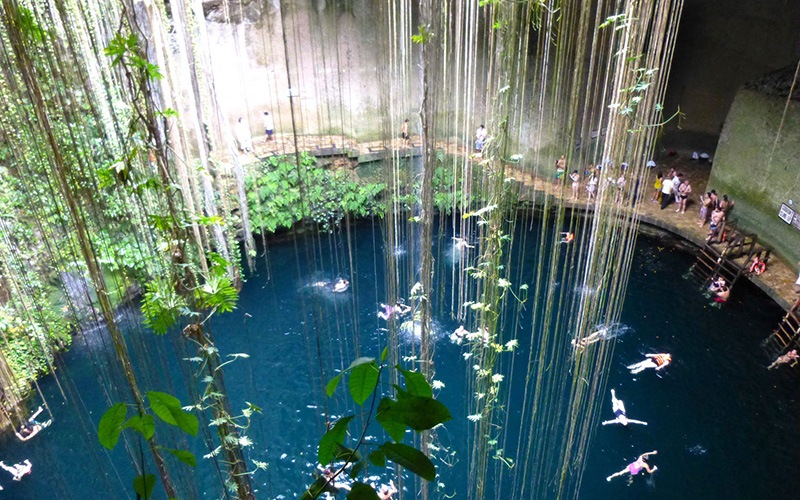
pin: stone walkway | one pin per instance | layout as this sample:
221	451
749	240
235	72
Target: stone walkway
777	281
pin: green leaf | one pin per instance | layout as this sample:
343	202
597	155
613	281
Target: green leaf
143	485
184	456
335	436
363	380
346	454
419	413
330	388
360	361
410	458
357	468
145	424
361	491
168	408
315	490
377	458
111	425
384	354
416	385
395	429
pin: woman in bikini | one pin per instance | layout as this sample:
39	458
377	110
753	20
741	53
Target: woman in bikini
636	467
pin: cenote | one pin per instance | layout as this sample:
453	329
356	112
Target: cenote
723	425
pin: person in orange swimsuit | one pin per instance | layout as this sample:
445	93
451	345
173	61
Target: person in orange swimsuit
657	361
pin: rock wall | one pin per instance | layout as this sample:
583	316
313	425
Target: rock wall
759	180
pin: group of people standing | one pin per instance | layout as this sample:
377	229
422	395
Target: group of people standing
672	187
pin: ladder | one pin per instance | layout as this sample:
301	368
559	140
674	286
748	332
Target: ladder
786	336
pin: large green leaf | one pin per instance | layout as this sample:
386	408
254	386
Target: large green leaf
168	408
416	385
185	456
377	458
363	380
335	436
395	429
111	425
417	412
410	458
145	424
361	491
143	485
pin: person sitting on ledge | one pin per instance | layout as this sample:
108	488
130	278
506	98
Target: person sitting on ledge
786	358
758	266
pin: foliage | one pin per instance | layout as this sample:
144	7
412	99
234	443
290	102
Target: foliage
281	194
412	406
164	406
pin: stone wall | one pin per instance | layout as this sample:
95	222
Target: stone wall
759	180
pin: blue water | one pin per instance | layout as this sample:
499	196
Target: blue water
723	425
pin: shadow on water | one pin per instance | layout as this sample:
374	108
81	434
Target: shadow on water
724	426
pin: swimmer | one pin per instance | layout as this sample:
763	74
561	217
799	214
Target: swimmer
18	470
597	336
458	336
333	486
657	361
716	284
31	427
619	412
388	311
386	491
567	237
461	244
786	358
341	285
722	294
636	467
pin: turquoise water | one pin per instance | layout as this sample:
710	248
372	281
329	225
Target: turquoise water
724	426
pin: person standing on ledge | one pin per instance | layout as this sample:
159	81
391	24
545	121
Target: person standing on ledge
404	133
666	192
242	133
269	125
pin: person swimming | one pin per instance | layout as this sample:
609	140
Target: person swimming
786	358
341	285
657	361
18	470
388	311
31	427
386	491
636	467
458	336
618	407
461	244
567	237
583	343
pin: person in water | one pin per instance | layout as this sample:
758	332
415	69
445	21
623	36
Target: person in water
618	407
583	343
341	285
388	311
461	244
636	467
458	336
567	237
786	358
657	361
31	427
386	491
18	470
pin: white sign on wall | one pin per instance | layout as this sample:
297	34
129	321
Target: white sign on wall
786	214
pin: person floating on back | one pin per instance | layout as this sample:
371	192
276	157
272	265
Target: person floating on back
618	408
590	339
18	470
786	358
388	311
657	361
636	467
31	427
